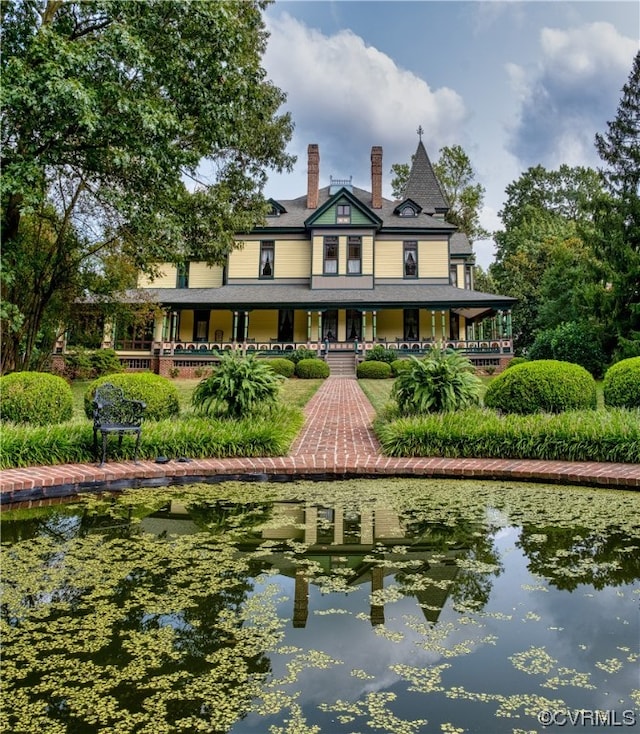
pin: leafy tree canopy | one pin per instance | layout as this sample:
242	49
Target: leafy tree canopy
108	108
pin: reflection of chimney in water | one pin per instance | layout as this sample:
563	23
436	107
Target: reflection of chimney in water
376	615
301	599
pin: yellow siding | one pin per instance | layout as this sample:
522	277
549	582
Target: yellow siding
263	325
245	263
300	326
221	321
186	326
389	324
433	260
342	255
292	259
202	275
166	278
460	274
367	255
317	264
389	260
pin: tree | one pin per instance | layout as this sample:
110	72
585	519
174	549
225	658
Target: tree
617	237
400	173
108	107
456	176
542	255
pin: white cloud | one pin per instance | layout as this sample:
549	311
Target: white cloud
571	95
347	96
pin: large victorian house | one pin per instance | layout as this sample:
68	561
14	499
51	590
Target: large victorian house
336	270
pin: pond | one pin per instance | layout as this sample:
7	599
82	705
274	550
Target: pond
401	606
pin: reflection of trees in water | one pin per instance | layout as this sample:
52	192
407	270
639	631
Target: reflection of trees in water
571	556
473	541
152	622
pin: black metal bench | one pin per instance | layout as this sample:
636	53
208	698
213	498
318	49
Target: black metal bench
115	414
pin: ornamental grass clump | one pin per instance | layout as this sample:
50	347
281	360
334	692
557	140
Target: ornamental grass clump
621	387
239	386
543	386
442	381
158	393
38	398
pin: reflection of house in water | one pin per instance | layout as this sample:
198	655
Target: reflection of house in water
363	546
360	545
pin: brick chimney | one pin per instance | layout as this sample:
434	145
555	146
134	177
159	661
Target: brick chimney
376	177
313	176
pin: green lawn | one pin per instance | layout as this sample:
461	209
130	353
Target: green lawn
294	392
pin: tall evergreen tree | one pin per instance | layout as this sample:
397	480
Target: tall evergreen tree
617	238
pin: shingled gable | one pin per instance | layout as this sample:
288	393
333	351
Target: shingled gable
341	195
423	186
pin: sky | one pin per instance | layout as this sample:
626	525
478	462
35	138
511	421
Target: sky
516	84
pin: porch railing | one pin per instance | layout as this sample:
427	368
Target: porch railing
403	346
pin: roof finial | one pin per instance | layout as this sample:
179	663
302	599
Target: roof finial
420	132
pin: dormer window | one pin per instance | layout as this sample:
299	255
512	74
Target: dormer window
408	211
343	214
273	212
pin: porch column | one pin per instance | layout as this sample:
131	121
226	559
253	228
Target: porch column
165	326
364	326
374	325
376	613
509	331
308	326
173	326
319	326
158	328
234	331
443	315
246	326
433	325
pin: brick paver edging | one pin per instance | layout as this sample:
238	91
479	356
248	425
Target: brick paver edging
19	485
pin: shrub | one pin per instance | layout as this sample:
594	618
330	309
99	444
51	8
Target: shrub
83	364
281	366
515	361
621	385
400	365
371	370
309	369
38	398
440	382
381	354
297	355
158	393
240	384
577	342
546	385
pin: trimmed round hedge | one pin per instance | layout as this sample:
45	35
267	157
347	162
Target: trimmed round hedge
158	393
400	365
38	398
543	386
281	366
372	370
621	386
309	369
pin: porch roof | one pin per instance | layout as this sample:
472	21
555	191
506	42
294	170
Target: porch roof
273	296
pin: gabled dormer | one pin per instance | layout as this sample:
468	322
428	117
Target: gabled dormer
275	208
407	208
343	209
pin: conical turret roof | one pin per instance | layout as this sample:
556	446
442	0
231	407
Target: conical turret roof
423	186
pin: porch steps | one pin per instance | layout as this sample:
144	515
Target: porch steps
342	365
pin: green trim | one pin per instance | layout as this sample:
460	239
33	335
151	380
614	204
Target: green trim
355	203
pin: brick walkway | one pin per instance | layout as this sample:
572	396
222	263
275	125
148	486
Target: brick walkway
336	441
